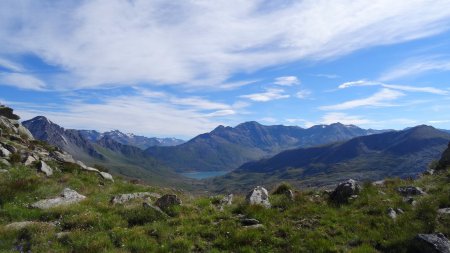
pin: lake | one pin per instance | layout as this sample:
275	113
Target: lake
204	174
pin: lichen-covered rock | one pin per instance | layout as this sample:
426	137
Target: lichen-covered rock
168	201
67	197
431	243
392	213
124	198
410	191
63	157
4	152
47	170
258	196
29	160
344	191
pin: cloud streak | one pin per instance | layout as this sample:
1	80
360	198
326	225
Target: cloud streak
379	99
202	43
359	83
269	95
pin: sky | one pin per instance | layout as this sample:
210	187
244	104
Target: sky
181	68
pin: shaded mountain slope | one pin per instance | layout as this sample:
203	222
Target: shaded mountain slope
400	153
226	148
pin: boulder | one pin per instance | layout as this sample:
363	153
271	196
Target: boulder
43	167
225	201
168	201
344	191
67	197
392	213
63	157
106	176
431	243
124	198
258	196
29	160
4	152
24	132
410	191
444	211
249	222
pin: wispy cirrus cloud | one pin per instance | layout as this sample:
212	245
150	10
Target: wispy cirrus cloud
382	98
22	81
119	42
269	95
287	80
416	66
394	87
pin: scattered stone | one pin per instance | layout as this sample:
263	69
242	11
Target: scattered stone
10	148
4	152
258	196
249	222
62	235
63	157
392	213
155	208
43	167
431	243
410	200
3	171
444	210
225	201
168	201
399	211
67	197
30	159
410	191
23	224
123	198
345	191
428	172
256	226
106	176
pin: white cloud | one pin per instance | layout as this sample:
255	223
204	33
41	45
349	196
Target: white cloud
287	80
103	42
379	99
10	65
394	87
303	94
415	67
438	121
21	81
344	118
269	95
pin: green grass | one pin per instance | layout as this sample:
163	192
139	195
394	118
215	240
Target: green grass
307	224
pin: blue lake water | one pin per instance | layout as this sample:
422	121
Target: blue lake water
203	175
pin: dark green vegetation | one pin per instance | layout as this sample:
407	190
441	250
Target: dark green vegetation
8	113
128	161
404	153
226	148
308	224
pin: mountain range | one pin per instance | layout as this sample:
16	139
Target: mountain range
391	154
126	160
226	148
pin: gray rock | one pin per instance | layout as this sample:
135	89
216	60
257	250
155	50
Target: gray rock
444	210
43	167
24	132
63	157
168	201
410	191
226	201
410	200
4	162
62	235
256	226
3	171
106	176
81	164
392	213
91	169
29	160
154	208
67	197
431	243
124	198
344	191
4	152
258	196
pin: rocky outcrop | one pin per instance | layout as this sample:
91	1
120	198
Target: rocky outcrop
444	211
47	170
408	191
67	197
124	198
23	224
63	157
431	243
344	191
258	196
106	176
167	201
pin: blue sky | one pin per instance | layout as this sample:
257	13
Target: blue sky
181	68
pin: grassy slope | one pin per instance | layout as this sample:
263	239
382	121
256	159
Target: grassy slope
309	224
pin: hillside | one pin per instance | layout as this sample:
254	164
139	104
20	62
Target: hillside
126	160
79	210
400	153
226	148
